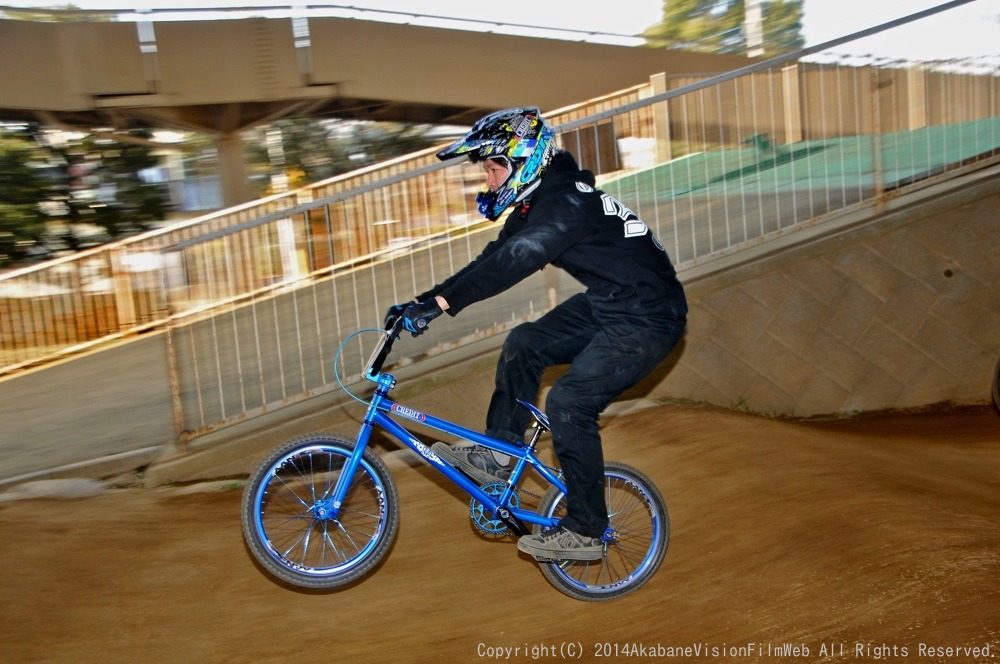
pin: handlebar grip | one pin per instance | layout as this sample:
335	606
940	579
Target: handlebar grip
421	323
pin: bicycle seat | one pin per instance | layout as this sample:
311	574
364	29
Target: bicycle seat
540	417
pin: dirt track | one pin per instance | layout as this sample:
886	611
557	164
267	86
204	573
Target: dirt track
881	533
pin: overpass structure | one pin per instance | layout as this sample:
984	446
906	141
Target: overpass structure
224	77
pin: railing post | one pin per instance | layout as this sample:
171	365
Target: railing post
877	140
792	103
173	374
661	119
121	282
916	96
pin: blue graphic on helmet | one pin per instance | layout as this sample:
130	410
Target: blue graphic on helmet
521	137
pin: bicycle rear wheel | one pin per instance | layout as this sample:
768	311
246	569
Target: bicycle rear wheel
287	505
640	531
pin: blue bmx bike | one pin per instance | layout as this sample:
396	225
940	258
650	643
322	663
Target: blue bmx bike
322	510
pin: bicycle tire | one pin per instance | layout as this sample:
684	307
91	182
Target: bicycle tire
638	517
282	513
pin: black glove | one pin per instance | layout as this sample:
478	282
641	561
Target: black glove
394	312
416	317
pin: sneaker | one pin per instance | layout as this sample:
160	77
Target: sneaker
475	460
561	544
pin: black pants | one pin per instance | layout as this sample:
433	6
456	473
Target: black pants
607	354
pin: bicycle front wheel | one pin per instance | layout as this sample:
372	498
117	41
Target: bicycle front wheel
296	532
639	531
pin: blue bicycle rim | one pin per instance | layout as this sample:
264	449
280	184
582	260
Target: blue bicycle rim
647	561
332	570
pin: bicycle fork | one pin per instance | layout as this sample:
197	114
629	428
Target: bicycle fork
331	506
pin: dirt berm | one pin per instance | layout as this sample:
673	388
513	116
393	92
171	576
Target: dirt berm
838	541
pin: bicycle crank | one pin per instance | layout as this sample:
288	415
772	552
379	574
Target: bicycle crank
484	519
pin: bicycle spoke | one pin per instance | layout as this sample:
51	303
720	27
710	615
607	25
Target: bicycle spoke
288	486
291	525
634	550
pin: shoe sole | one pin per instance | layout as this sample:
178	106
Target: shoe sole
561	555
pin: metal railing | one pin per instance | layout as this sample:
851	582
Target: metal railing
260	297
70	304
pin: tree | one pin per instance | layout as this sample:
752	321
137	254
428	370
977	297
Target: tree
53	194
717	26
22	186
783	27
109	191
365	143
312	150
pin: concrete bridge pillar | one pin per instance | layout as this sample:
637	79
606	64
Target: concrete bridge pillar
233	176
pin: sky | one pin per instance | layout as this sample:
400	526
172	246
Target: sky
969	30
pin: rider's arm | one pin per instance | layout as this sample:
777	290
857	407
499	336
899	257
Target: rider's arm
549	231
488	250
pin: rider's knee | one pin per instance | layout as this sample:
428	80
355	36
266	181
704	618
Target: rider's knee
522	335
518	341
565	402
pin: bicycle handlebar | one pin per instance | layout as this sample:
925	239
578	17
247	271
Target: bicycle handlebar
374	366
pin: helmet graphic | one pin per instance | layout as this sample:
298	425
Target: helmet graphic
520	138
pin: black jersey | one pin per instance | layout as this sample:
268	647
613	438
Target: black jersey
590	234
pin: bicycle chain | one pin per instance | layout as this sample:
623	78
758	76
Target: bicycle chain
519	490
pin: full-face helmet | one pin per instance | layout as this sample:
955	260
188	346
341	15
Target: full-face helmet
518	137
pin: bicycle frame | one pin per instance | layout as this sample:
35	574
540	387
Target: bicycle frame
378	415
322	510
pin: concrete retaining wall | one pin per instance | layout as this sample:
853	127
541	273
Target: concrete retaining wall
899	312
